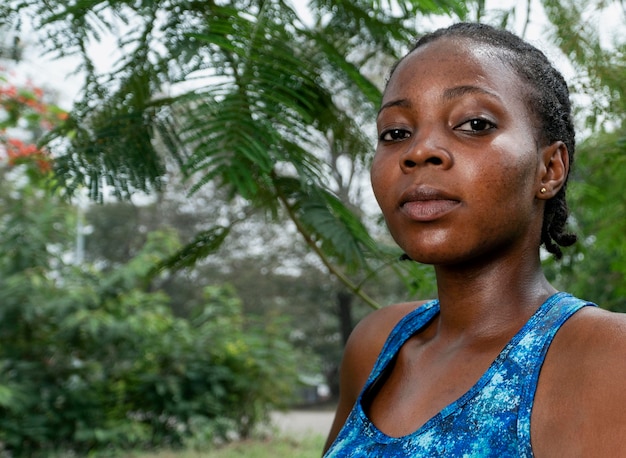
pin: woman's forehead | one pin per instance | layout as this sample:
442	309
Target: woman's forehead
454	61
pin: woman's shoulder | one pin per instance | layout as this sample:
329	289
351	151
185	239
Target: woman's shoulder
596	334
582	383
592	344
360	354
368	338
374	329
597	337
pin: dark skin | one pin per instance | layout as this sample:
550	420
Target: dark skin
462	176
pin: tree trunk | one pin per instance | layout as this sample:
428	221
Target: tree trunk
344	304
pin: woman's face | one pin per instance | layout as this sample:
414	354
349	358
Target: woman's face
457	166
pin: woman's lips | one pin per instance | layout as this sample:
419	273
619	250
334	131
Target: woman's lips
428	210
424	203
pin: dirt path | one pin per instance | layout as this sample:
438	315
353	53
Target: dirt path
300	422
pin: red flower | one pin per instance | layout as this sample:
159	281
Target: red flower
19	152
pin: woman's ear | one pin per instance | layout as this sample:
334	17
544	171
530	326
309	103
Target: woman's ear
553	169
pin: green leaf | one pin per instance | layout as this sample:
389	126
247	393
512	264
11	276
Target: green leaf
203	244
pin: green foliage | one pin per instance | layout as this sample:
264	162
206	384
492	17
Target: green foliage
30	234
88	365
204	243
327	222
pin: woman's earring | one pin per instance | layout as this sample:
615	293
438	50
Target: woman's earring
543	190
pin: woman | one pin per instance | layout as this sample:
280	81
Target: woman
475	146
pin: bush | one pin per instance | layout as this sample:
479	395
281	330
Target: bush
97	364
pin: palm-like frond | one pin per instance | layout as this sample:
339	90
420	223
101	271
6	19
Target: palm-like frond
205	243
329	224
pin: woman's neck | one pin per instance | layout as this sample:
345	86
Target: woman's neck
484	299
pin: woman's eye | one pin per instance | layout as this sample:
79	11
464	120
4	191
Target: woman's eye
476	125
394	135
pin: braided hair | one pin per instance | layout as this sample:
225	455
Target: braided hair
547	100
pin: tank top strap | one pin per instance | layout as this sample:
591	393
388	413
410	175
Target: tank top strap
533	347
408	326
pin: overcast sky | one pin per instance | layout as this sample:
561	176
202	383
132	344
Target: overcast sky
57	74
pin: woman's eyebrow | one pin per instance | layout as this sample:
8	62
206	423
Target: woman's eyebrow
460	91
405	103
448	94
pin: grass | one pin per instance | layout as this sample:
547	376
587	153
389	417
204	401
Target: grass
277	447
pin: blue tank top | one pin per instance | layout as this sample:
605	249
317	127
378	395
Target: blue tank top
491	419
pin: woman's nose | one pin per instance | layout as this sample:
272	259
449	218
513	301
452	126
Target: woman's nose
425	149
